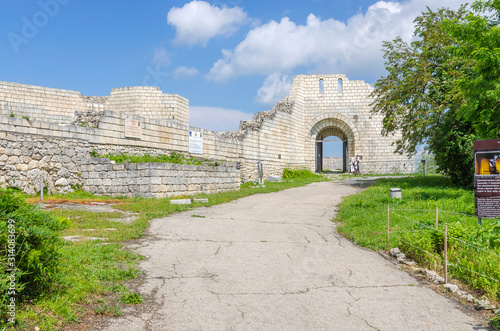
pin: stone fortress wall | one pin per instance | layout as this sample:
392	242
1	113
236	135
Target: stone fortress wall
280	138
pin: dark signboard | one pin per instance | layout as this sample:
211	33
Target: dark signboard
487	177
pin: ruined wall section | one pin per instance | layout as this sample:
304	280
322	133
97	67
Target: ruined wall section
30	149
149	102
59	106
40	103
272	138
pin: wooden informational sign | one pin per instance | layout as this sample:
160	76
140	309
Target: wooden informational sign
487	177
195	142
133	129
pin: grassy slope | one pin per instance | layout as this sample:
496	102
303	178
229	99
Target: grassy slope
362	218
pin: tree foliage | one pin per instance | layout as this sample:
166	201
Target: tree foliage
478	39
442	89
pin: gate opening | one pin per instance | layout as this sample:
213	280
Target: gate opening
331	154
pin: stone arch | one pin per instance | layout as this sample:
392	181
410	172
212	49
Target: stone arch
331	124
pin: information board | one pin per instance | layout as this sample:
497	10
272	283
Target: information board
195	142
133	129
487	177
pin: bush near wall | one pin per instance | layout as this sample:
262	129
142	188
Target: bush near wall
297	173
31	232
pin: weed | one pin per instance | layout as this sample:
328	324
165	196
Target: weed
199	216
119	288
131	298
77	187
101	309
116	310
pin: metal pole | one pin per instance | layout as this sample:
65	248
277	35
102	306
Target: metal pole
388	227
479	221
437	216
424	167
445	254
41	189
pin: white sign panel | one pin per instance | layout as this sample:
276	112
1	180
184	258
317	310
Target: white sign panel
195	142
133	129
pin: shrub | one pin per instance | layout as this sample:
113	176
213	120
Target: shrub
33	250
299	173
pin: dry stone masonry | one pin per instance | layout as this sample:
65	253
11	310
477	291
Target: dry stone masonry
53	133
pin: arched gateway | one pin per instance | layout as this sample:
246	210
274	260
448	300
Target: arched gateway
333	125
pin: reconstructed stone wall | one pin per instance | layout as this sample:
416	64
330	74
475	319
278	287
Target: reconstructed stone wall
150	102
284	137
30	150
287	135
156	180
347	109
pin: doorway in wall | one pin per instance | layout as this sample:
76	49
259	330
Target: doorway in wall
331	154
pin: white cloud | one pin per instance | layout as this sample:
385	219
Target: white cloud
216	118
161	57
323	46
275	88
197	22
185	72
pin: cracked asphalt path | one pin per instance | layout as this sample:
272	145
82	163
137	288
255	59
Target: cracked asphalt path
275	262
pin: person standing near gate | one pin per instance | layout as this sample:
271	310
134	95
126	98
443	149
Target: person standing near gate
351	165
356	166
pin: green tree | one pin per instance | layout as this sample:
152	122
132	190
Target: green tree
443	88
477	38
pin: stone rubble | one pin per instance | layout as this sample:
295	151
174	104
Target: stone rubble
482	304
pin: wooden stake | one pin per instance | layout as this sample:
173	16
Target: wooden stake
445	254
387	227
437	217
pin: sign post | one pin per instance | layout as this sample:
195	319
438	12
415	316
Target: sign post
260	173
487	178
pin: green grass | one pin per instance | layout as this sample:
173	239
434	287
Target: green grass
92	275
173	157
100	222
362	218
86	271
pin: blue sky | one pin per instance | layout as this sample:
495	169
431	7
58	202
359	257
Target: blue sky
231	59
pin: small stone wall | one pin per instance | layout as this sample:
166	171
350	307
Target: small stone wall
156	180
65	164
